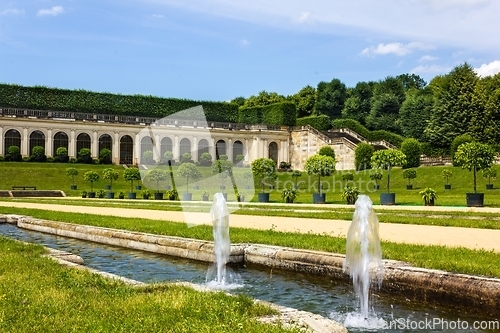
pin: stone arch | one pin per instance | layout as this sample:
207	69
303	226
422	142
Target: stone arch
166	145
146	146
238	149
273	152
37	138
12	138
184	147
60	140
203	147
126	149
220	148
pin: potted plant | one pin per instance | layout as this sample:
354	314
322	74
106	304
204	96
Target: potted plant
376	175
172	194
91	176
350	194
429	196
490	173
110	174
447	173
72	172
84	194
320	166
131	174
386	159
289	194
188	171
347	177
264	169
101	193
474	156
205	195
157	175
121	195
146	194
224	168
409	174
296	174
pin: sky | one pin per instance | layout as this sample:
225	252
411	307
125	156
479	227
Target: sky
217	50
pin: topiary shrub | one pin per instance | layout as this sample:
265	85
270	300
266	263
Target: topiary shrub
321	123
464	138
105	156
84	156
412	149
326	151
38	153
205	159
363	155
351	124
390	137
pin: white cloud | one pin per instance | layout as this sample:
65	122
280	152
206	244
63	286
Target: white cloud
54	11
12	11
488	69
395	48
431	69
303	17
427	58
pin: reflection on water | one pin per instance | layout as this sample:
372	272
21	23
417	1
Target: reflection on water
309	293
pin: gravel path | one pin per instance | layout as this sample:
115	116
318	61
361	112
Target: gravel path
401	233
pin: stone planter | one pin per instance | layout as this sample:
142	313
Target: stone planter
319	198
489	186
73	187
263	197
447	186
158	196
187	196
110	195
91	194
387	198
409	187
474	199
132	195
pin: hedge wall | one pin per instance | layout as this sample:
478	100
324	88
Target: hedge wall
277	114
321	123
352	125
44	98
393	138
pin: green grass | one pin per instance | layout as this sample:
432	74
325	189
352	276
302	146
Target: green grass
481	220
39	295
459	260
52	176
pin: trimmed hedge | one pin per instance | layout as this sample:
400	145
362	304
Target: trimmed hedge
44	98
321	123
390	137
352	125
277	114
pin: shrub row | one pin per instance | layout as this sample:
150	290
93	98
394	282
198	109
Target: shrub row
276	114
321	123
45	98
379	135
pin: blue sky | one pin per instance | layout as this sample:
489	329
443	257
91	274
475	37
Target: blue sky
221	49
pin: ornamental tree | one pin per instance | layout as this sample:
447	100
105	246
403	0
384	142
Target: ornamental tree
386	159
475	156
131	174
188	171
110	174
321	166
264	169
91	176
157	175
72	172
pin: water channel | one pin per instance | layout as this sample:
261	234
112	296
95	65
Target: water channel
321	295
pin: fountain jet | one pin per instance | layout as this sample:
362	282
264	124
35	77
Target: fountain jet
363	257
222	244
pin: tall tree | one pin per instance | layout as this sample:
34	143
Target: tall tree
411	81
330	98
263	98
485	119
451	115
357	104
304	101
415	113
384	113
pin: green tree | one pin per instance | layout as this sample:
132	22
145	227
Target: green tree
111	175
84	155
62	154
131	174
304	101
320	166
157	175
484	125
384	113
223	168
264	170
363	155
412	149
358	102
452	113
262	99
330	98
38	152
72	172
188	171
458	141
386	159
475	156
105	156
415	113
91	177
205	159
411	81
326	151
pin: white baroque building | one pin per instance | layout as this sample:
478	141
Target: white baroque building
128	137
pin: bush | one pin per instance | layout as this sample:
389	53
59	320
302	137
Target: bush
38	153
277	114
351	124
84	156
321	123
13	154
326	151
186	158
412	149
464	138
409	174
432	151
205	159
62	155
105	156
362	156
390	137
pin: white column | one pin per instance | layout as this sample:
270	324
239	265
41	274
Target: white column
229	149
48	144
176	149
212	148
265	149
194	153
72	144
116	148
25	142
137	149
156	148
247	151
2	140
94	152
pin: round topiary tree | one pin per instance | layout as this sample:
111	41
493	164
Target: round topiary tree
264	170
296	174
62	154
91	176
475	156
72	172
110	174
376	175
84	156
105	156
188	171
386	159
157	175
38	153
147	157
362	156
131	174
224	168
320	166
412	149
446	174
168	156
14	154
205	159
326	151
409	174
